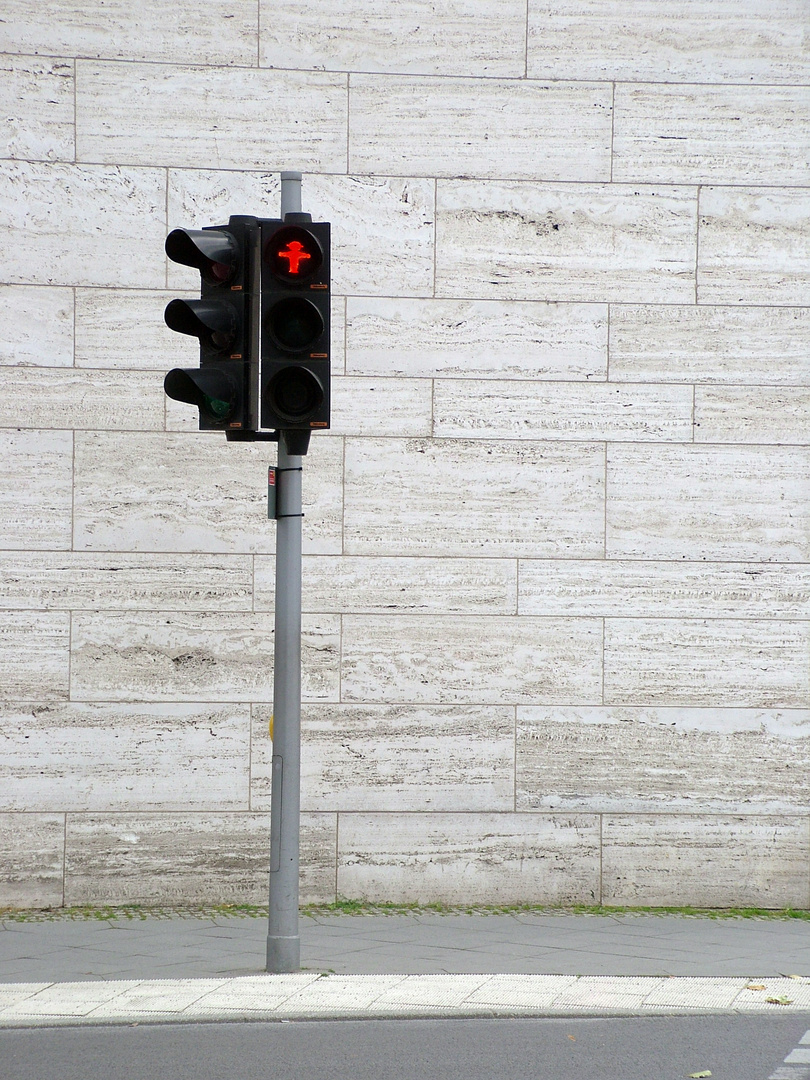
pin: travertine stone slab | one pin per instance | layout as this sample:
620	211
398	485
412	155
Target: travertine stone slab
202	656
761	41
124	328
363	405
712	134
723	662
709	344
37	325
666	589
706	861
752	414
149	30
529	410
380	585
638	760
32	856
383	757
66	224
337	334
82	580
485	339
194	492
133	112
38	115
463	127
34	655
80	399
125	757
180	416
454	497
502	642
317	880
566	242
382	227
200	857
35	499
708	502
382	232
471	659
754	246
458	37
469	858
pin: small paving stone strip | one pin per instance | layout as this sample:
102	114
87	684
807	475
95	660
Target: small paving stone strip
307	996
797	1063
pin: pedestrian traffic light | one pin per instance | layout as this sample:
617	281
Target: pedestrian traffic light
224	320
294	383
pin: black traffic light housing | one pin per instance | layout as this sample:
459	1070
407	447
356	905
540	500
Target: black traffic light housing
295	308
224	320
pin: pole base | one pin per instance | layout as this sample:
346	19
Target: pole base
283	954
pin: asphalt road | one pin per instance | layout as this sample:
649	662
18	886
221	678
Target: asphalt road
646	1048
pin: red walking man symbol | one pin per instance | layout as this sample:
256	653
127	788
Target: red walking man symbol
296	254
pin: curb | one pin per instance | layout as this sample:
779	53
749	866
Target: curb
307	996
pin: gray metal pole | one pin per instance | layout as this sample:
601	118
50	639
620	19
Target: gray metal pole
283	940
290	193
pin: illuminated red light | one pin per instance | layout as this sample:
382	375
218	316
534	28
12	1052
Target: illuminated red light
295	253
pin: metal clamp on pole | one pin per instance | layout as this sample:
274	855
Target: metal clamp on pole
281	501
251	436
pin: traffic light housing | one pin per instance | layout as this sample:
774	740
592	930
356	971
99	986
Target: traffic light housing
224	320
295	309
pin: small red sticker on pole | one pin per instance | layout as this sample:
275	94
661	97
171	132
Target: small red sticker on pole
271	493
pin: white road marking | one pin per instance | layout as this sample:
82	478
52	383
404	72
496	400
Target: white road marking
794	1066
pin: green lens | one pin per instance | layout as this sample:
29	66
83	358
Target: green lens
216	407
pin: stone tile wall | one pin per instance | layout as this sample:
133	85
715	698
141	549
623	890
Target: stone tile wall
557	543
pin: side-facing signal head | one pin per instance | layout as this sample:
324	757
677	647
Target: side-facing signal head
214	254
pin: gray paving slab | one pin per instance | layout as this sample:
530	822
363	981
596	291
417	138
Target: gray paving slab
422	943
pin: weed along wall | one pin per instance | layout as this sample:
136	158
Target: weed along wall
557	541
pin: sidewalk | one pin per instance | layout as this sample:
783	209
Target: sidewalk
204	968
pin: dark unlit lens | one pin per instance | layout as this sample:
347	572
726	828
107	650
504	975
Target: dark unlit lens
220	271
295	393
295	324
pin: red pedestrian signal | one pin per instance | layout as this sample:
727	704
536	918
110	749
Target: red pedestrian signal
294	377
293	254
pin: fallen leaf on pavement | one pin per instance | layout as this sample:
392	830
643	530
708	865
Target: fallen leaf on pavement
698	1075
755	986
779	1001
785	975
573	1038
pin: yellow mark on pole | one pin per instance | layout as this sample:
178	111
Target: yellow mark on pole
270	727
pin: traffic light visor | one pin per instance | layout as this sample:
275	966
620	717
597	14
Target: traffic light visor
210	251
212	321
213	391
